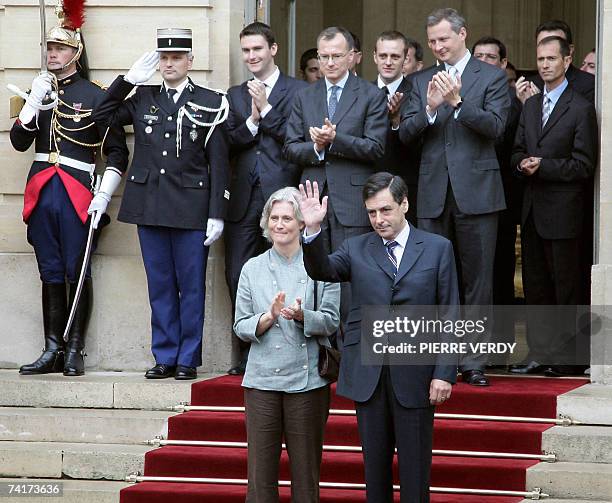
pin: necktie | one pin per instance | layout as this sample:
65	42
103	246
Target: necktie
453	72
170	94
333	102
546	110
390	245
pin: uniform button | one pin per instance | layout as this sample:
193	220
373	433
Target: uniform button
150	122
164	153
170	118
167	135
305	367
201	184
61	91
59	139
162	171
132	177
193	126
277	371
276	325
303	344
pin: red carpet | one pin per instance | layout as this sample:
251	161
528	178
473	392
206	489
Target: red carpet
526	397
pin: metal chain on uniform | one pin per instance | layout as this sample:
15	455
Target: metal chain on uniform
221	114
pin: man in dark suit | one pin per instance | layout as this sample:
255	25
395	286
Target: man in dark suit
259	109
176	192
336	133
493	51
395	265
390	52
555	153
460	109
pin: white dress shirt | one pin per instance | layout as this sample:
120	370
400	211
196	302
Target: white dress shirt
460	67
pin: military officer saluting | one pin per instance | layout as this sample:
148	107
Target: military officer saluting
56	117
176	192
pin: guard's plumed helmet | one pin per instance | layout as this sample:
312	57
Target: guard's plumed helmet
71	16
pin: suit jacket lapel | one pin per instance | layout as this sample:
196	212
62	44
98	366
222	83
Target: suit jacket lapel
560	108
469	76
319	105
414	249
278	91
347	98
379	254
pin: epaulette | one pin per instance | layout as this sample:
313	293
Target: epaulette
216	91
99	84
16	104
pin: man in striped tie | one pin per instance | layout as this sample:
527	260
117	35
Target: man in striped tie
396	265
555	153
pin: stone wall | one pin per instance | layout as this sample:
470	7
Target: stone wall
116	32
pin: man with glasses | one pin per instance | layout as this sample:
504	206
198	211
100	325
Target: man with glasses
336	133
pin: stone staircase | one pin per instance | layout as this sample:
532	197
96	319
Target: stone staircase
87	431
583	471
90	433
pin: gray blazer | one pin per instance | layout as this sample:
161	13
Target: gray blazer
285	357
361	132
461	149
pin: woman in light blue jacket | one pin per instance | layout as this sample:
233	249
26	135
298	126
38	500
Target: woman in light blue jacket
284	395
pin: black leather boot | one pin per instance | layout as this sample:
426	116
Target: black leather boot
75	346
55	314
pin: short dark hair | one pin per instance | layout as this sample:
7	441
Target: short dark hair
563	44
554	25
510	66
393	35
306	57
258	28
383	180
503	54
456	20
331	31
418	48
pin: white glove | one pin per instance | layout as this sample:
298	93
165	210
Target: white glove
143	69
99	203
214	229
41	86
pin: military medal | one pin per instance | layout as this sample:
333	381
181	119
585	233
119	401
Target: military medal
193	134
77	108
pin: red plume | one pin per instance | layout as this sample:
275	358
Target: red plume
74	13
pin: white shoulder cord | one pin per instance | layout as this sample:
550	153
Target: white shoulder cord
222	113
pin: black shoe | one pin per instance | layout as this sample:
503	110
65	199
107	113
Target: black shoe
531	367
185	373
238	370
160	371
475	378
564	371
74	364
55	314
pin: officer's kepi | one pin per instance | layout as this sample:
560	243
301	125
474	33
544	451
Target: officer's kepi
174	40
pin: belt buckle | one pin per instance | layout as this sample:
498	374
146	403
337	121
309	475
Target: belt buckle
53	157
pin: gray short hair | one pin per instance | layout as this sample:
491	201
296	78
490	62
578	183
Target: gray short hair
456	20
331	31
289	195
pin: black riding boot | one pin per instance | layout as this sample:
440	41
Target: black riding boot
55	314
75	346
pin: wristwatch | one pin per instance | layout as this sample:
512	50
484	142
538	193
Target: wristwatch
458	105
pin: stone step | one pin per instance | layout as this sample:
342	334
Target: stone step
107	390
590	404
583	444
572	481
74	491
100	426
77	461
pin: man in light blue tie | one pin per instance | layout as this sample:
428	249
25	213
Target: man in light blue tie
458	109
336	132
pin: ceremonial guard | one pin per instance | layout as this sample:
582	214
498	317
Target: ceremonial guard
176	192
56	116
